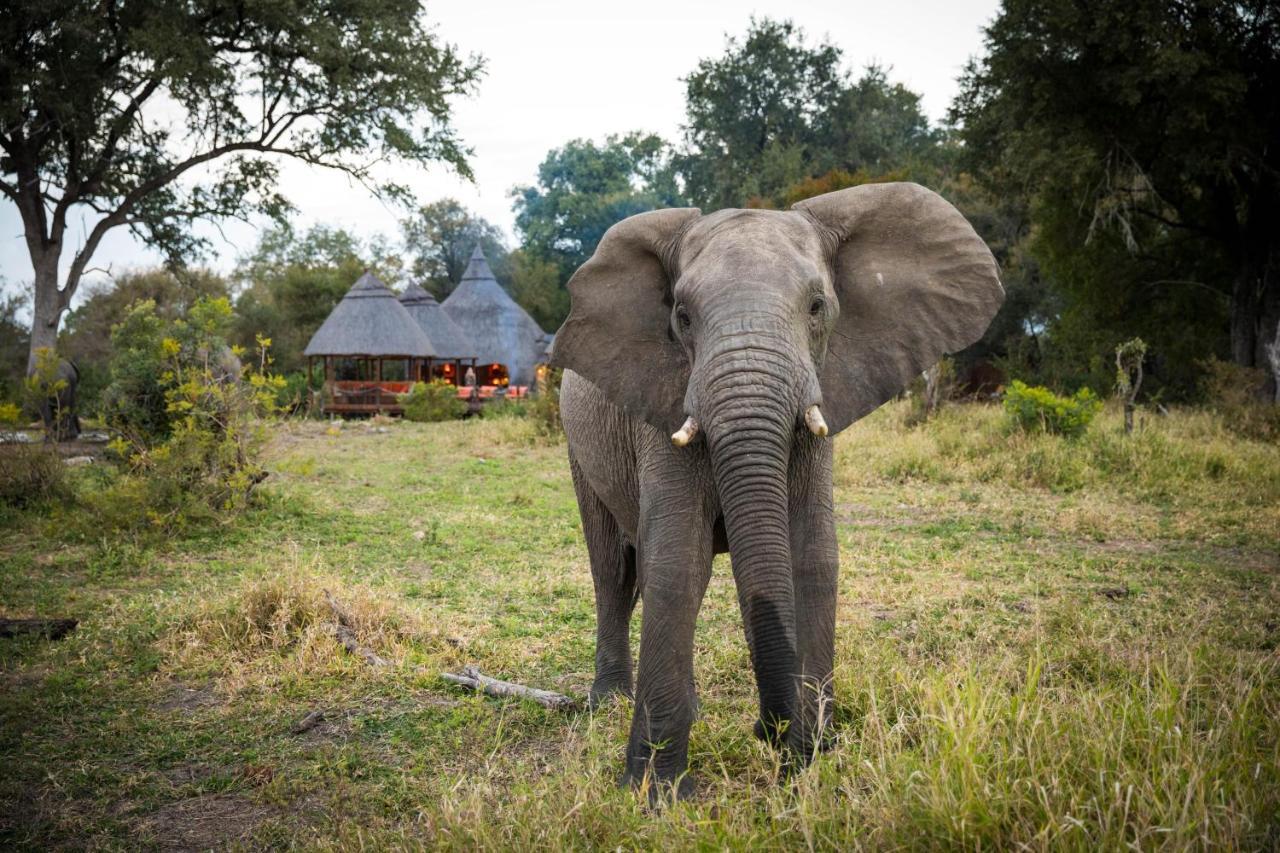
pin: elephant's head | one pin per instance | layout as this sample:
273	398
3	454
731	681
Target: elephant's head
755	328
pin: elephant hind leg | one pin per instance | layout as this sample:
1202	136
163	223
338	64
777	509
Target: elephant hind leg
613	572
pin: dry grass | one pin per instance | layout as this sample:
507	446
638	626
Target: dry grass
1041	643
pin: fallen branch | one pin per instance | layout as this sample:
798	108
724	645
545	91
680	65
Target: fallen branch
52	629
307	723
342	629
474	679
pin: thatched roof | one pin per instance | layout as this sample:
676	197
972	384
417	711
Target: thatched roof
370	321
446	337
502	331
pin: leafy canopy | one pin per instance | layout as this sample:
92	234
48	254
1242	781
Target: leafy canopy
584	188
150	114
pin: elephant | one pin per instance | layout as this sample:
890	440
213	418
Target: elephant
709	359
58	411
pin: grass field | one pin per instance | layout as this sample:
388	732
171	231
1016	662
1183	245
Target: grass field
1041	643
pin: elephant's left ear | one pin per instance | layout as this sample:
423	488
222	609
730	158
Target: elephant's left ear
915	282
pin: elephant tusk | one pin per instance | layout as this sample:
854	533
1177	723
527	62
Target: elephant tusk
813	419
685	434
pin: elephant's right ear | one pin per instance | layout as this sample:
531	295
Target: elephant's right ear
618	334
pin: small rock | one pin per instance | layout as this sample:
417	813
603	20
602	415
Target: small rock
79	460
419	535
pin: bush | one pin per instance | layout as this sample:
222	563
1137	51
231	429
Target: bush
294	394
187	416
1236	392
10	414
31	475
1039	409
544	406
432	401
541	408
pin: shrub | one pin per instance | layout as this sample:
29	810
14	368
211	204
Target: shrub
540	409
10	414
1236	392
294	394
432	401
1039	409
544	406
187	416
31	475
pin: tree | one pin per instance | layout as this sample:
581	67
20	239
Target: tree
291	281
756	106
91	94
14	345
1146	133
537	288
86	335
773	112
439	238
584	188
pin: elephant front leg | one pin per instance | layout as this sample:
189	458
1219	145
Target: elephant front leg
675	556
613	573
816	563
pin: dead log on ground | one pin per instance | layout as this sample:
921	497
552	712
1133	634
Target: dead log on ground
52	629
343	630
474	679
307	723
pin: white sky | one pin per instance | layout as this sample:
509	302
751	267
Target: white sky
563	70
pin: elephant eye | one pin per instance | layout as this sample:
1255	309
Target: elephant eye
682	318
815	307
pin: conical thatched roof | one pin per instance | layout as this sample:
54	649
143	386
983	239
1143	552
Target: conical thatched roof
446	337
500	328
370	321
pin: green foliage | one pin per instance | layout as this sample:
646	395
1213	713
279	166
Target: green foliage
582	190
187	415
541	409
1238	394
10	414
291	281
294	393
1039	409
536	285
43	383
439	238
339	85
432	401
773	112
1140	133
15	346
31	475
544	405
86	334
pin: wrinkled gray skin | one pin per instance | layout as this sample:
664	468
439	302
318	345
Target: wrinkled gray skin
742	320
58	412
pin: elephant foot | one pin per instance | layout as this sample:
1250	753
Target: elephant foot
658	789
606	690
772	732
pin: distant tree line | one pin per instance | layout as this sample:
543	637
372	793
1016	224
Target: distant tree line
1122	161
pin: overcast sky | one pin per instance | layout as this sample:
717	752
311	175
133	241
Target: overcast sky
556	71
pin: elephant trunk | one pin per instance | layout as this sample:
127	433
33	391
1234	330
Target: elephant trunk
749	407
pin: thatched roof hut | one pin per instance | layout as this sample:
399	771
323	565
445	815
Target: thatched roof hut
502	331
370	322
447	338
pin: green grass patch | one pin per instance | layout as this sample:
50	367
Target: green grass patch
1050	643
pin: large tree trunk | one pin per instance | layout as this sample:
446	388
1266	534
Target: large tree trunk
1255	305
46	311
